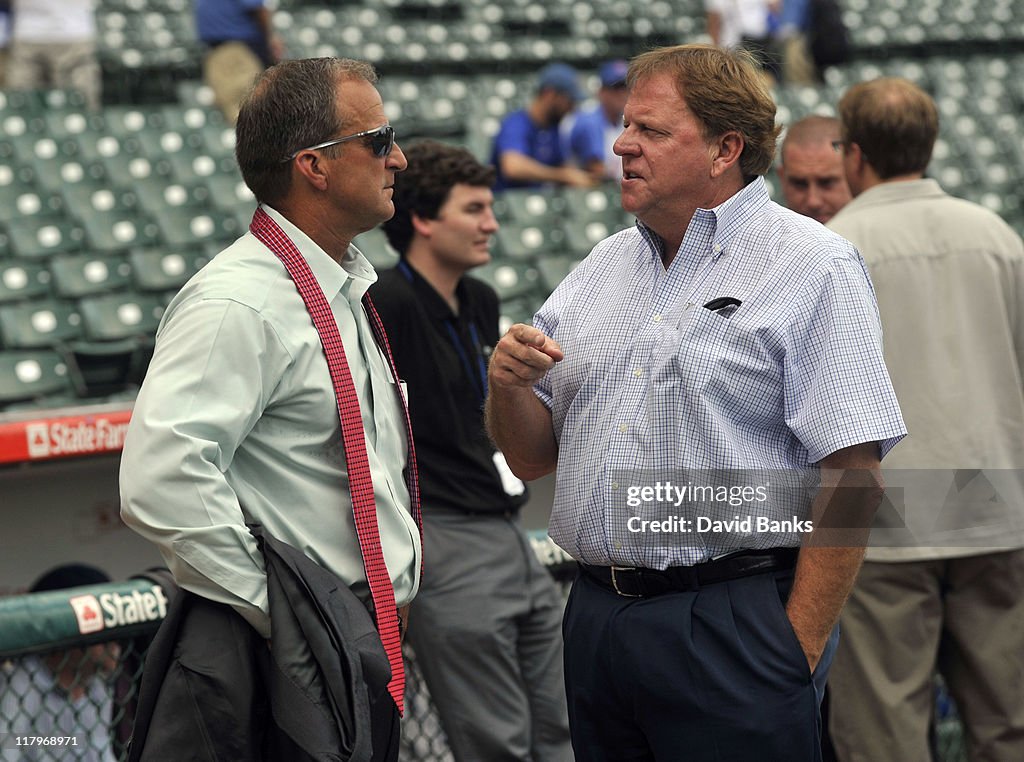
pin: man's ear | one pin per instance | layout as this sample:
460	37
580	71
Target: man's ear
421	225
311	167
725	152
856	154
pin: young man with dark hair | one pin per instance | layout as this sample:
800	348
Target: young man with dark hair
486	621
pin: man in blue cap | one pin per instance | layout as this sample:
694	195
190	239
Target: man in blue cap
528	149
594	131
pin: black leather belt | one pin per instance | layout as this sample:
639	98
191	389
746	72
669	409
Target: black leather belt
647	583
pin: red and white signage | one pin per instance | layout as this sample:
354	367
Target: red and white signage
87	612
63	436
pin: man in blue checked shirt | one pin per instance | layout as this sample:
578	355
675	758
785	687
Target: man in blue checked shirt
692	380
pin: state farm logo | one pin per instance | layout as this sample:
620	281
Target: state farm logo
118	609
87	612
38	440
75	437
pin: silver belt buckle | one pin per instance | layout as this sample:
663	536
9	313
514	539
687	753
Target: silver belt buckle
615	582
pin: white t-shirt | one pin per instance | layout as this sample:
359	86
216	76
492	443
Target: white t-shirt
53	20
740	18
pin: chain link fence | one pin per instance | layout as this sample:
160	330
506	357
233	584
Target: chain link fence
70	674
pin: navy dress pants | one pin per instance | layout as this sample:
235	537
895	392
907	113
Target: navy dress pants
715	675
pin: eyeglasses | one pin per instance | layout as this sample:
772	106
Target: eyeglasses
382	140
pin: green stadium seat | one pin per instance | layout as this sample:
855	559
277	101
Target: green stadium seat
56	173
31	203
90	196
38	237
195	93
188	166
528	242
69	122
103	368
126	169
38	324
529	207
125	121
86	274
15	178
219	140
31	375
554	269
511	279
60	101
24	135
185	226
229	190
20	101
158	194
191	118
97	145
158	270
113	317
157	144
119	230
23	280
582	235
519	310
602	203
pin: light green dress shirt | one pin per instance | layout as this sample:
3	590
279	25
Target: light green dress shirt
237	421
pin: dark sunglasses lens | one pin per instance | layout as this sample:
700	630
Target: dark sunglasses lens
383	141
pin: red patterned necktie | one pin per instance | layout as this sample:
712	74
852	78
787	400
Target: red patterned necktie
364	507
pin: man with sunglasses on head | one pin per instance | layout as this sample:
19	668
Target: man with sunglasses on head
271	398
486	624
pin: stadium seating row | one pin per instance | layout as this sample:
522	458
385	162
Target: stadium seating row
104	215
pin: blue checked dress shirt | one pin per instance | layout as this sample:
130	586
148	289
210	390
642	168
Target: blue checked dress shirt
656	387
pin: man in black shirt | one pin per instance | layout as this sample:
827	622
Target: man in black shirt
486	622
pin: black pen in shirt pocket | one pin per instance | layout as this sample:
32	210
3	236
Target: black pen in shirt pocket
723	305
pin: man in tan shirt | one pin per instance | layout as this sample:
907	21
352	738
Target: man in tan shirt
941	587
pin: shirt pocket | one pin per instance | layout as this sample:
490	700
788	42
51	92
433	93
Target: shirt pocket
696	349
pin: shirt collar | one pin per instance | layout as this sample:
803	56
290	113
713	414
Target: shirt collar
733	214
711	230
888	193
355	274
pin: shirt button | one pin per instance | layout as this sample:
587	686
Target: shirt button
717	249
657	318
638	372
623	428
618	546
615	485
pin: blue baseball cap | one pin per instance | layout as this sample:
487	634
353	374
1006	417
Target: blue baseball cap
561	77
613	73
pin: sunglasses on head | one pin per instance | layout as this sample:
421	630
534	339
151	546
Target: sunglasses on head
382	140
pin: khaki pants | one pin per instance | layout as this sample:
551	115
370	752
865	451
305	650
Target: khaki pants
963	616
230	69
797	66
64	66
